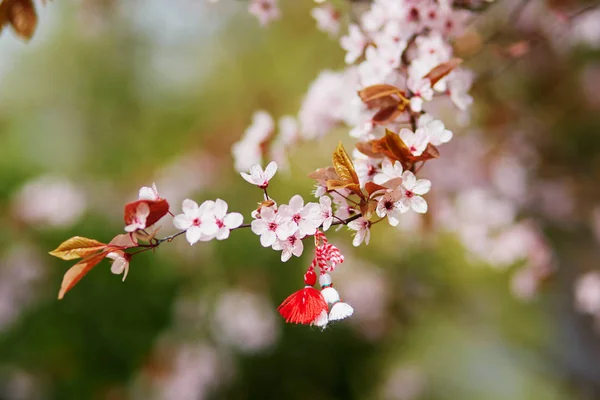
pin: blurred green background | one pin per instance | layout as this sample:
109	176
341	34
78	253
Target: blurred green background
110	97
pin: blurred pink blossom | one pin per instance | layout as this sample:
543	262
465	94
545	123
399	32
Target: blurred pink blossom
50	201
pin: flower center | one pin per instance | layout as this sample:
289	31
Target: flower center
296	218
292	240
389	205
196	222
409	194
220	223
413	149
272	226
413	15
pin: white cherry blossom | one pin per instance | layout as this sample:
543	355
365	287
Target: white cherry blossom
259	177
198	221
413	189
272	226
265	10
435	129
362	226
388	206
421	90
225	222
354	43
388	172
120	264
326	212
328	19
307	218
416	142
291	246
148	193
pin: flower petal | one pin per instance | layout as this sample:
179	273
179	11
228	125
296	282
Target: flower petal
190	207
220	209
422	186
193	234
233	220
419	204
182	221
270	170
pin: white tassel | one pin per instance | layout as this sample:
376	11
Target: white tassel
340	310
321	320
331	295
324	280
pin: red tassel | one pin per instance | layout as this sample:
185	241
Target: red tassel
306	305
303	307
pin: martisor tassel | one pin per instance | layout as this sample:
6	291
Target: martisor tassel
339	310
329	293
306	306
321	320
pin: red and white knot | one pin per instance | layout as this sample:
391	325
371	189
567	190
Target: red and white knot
338	309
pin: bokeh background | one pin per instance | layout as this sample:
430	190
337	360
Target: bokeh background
110	96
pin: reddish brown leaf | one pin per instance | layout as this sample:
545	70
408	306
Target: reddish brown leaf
372	187
378	91
397	146
387	115
442	70
78	271
367	149
430	153
77	247
158	209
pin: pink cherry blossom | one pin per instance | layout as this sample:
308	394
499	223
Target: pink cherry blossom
388	172
435	130
139	219
328	19
459	83
291	246
421	90
247	151
354	43
362	226
416	142
413	188
272	226
259	177
326	212
306	218
388	206
120	264
265	10
198	221
225	222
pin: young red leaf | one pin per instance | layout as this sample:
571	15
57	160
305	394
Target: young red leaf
157	209
372	187
77	247
377	91
78	271
442	70
387	115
